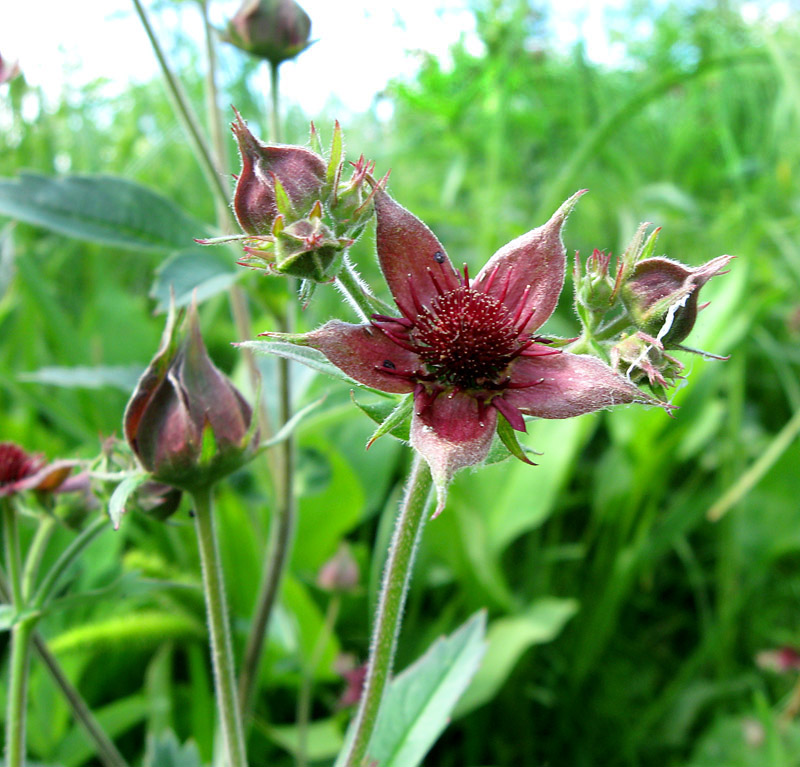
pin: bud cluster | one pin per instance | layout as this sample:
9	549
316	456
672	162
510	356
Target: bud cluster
298	213
653	305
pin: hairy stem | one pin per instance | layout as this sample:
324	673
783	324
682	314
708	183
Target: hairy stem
221	646
391	601
357	293
18	692
107	752
33	558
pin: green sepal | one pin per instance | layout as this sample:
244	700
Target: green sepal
282	201
119	498
335	162
316	144
393	419
508	436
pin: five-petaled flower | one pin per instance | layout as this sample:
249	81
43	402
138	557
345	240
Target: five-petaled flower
468	349
20	471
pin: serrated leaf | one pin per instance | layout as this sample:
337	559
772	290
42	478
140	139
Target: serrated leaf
120	496
122	377
194	269
394	419
103	209
420	700
508	638
307	356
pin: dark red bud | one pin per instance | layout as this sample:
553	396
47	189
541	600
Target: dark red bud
275	30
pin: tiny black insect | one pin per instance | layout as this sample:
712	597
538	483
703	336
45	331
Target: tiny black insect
389	364
438	257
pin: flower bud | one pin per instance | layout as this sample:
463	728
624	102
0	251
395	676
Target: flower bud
20	471
594	287
340	572
186	422
298	216
275	30
661	296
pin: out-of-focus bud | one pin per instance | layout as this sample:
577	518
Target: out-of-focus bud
8	70
354	675
298	215
780	660
186	422
275	30
661	296
158	500
340	572
594	287
20	471
642	359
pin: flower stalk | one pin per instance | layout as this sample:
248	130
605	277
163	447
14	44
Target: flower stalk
391	601
221	646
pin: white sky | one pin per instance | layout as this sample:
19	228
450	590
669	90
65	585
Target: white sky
362	44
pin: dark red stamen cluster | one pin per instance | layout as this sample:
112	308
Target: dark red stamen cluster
16	464
465	338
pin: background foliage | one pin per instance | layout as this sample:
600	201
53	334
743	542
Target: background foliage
623	623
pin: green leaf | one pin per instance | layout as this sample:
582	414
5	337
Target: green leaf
336	155
420	700
121	494
508	638
7	617
166	751
6	258
508	436
206	271
323	739
103	209
123	377
393	419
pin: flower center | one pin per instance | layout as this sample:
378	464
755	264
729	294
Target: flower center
466	338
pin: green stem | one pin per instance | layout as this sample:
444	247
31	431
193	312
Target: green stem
356	292
623	322
33	558
107	752
307	684
13	560
184	111
18	692
68	556
274	115
221	647
391	600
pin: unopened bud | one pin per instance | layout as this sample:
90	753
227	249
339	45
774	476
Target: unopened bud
275	30
340	572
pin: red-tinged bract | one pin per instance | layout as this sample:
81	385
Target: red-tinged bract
186	422
467	348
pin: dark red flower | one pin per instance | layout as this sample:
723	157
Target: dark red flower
467	348
20	471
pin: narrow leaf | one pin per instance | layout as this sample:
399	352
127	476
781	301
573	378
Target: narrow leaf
103	209
123	377
336	154
419	701
195	269
393	420
508	436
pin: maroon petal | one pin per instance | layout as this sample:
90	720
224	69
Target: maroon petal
366	354
413	261
451	433
565	385
527	274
